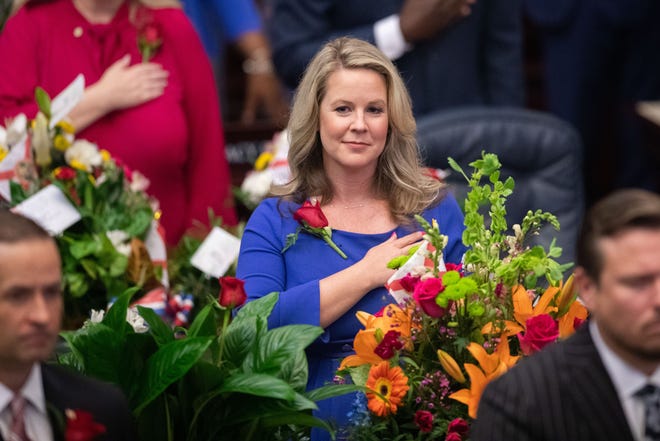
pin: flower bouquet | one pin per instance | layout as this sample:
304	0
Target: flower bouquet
425	360
218	379
102	245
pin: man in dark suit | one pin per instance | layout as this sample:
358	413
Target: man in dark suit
588	387
38	401
450	52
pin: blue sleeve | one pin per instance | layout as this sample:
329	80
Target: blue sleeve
450	221
238	17
262	266
298	29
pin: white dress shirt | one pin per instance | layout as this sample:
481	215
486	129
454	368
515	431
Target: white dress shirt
627	381
37	424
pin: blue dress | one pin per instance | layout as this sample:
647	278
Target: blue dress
295	274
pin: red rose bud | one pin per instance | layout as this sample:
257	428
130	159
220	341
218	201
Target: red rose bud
80	426
409	282
541	331
424	420
425	293
65	173
232	293
311	214
390	343
151	34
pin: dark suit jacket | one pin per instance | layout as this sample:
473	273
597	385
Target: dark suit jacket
563	393
476	61
64	389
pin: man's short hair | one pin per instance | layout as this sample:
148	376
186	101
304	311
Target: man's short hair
619	211
17	228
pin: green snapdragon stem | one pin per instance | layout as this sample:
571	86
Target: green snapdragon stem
334	247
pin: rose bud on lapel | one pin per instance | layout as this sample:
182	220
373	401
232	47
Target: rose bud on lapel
232	293
80	426
311	214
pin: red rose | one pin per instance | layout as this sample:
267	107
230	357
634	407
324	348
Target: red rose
65	173
80	426
151	34
541	331
458	425
409	282
232	293
425	293
424	420
311	214
453	436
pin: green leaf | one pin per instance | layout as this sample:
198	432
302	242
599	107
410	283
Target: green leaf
160	331
240	340
261	307
115	318
333	390
204	323
171	362
280	346
43	101
258	384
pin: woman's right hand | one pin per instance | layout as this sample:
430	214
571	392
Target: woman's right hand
376	260
122	86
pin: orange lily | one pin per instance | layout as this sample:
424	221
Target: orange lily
450	366
365	343
567	321
522	303
490	367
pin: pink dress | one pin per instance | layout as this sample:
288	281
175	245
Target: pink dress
175	140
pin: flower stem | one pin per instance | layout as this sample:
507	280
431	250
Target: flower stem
334	247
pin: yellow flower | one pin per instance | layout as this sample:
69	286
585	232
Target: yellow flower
3	153
78	165
61	143
450	366
388	386
105	155
66	127
263	160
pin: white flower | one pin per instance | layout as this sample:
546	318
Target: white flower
94	317
120	240
85	154
136	321
139	182
16	131
257	184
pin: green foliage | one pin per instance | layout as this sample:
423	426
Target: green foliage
220	379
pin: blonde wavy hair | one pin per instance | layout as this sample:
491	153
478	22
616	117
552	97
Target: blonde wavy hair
400	176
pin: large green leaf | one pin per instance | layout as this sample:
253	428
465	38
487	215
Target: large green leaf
204	323
115	318
240	340
257	384
333	390
99	348
258	308
280	345
160	330
168	365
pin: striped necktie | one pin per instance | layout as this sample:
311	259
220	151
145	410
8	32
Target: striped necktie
17	429
650	396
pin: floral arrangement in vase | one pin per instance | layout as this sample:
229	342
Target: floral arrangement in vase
425	360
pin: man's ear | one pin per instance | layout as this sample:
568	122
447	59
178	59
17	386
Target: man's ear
586	287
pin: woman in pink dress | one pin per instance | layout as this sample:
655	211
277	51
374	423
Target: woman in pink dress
159	117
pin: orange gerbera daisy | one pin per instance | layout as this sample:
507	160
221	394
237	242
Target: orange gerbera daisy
388	386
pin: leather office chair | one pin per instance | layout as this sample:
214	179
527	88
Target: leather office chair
542	153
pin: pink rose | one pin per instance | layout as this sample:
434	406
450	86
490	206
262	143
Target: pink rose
541	331
425	293
453	436
424	420
232	293
311	214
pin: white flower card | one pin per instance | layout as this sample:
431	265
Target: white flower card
62	104
51	209
218	251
